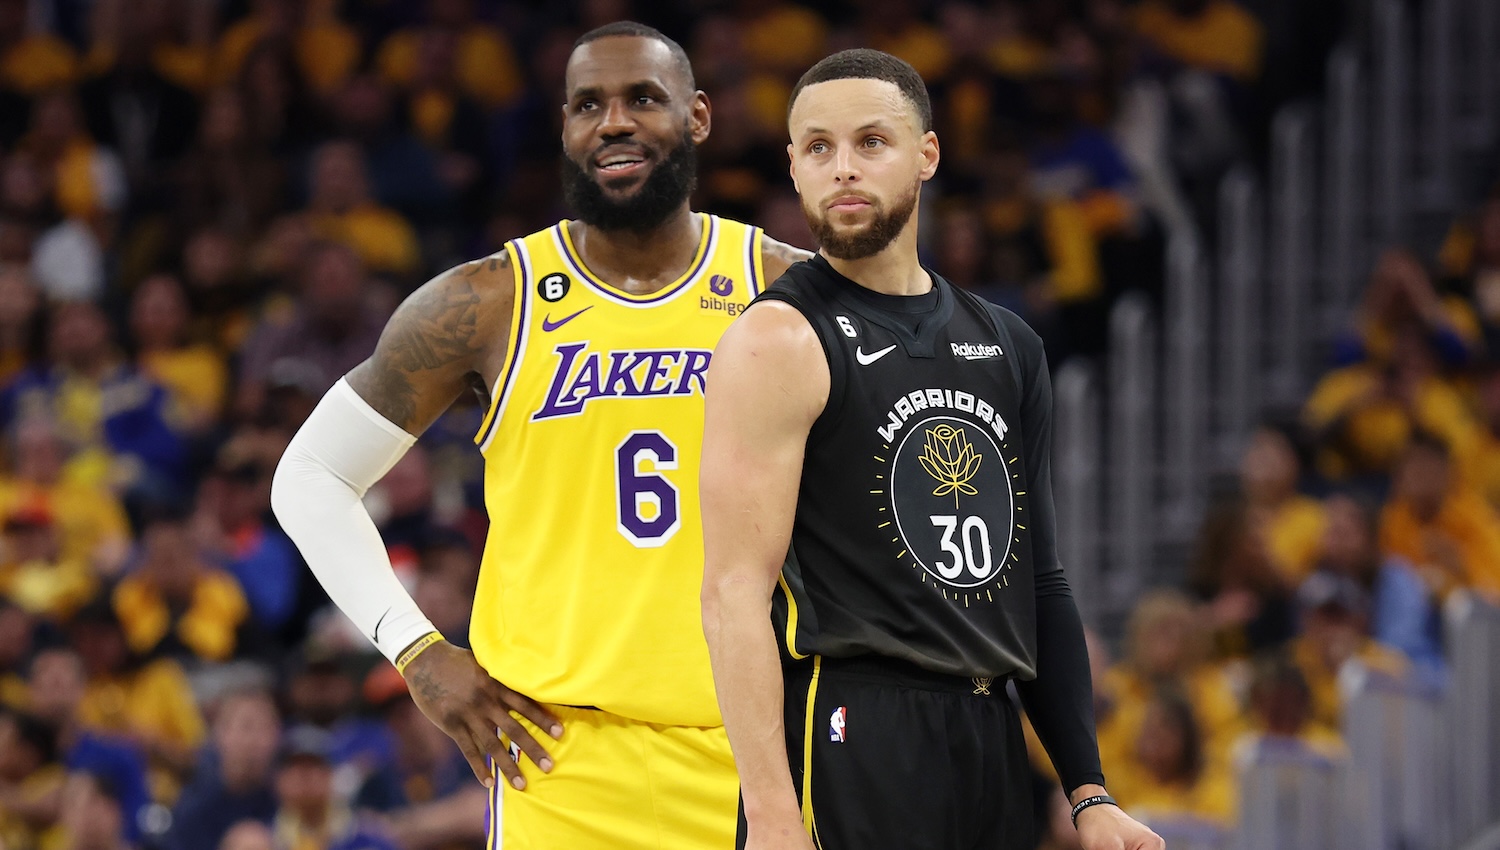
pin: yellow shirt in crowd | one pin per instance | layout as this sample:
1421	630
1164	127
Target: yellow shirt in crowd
487	68
381	237
1466	520
207	629
1224	38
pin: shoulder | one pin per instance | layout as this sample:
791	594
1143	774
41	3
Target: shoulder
1024	341
777	257
468	295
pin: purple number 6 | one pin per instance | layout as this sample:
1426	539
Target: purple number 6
648	503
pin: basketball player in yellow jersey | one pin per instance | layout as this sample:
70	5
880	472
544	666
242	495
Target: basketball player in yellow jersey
589	341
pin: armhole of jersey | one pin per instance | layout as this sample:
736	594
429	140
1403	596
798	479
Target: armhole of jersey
520	332
832	354
755	262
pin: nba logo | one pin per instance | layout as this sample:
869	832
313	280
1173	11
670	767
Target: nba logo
836	725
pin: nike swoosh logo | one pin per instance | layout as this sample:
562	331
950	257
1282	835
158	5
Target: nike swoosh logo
866	359
375	638
549	326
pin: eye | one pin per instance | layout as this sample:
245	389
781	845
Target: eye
645	100
874	142
587	105
817	148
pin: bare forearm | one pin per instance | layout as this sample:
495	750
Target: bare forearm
747	675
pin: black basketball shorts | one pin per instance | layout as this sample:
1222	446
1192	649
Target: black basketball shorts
887	756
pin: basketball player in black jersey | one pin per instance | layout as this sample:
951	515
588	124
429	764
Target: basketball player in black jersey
876	477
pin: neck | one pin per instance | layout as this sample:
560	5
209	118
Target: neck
894	271
641	262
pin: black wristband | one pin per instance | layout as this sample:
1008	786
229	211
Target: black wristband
1102	799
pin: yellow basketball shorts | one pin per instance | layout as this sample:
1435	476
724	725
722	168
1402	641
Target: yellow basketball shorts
620	784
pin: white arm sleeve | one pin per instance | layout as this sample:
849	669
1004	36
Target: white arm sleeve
345	447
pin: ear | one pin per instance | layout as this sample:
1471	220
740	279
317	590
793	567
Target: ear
700	120
928	150
792	167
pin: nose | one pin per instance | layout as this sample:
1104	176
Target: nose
616	120
844	170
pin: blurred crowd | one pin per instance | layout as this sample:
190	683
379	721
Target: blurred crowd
1350	526
209	207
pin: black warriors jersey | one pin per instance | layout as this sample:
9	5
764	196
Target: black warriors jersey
925	502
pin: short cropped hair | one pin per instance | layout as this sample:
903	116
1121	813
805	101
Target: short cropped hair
862	63
631	29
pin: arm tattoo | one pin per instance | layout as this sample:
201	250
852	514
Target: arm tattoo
436	328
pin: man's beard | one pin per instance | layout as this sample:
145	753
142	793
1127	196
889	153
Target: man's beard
868	240
668	185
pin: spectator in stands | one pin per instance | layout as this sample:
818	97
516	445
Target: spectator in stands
1404	612
279	110
1335	632
88	187
91	522
133	109
22	323
57	685
33	571
309	816
1171	776
222	299
1290	523
1363	416
1071	160
177	37
322	693
235	784
333	328
1248	602
1401	296
17	637
230	527
449	123
147	701
1449	532
31	781
228	177
399	178
1167	645
32	60
174	603
324	49
1043	249
1281	712
94	815
194	373
103	405
483	60
897	27
341	208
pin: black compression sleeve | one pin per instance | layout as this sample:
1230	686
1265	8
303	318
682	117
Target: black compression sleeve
1060	700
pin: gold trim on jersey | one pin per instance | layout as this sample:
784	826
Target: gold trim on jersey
791	619
520	330
706	245
807	746
755	263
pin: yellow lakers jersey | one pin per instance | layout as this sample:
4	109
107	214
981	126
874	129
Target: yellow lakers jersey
588	592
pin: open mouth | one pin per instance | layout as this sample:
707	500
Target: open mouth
621	162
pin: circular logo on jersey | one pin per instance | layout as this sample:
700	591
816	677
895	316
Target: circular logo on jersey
951	494
553	287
